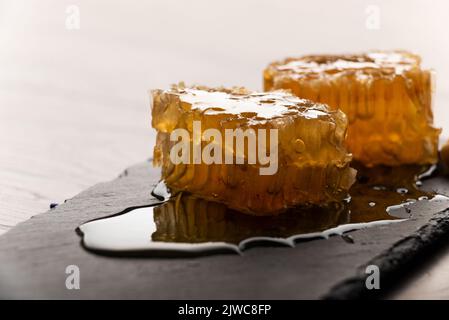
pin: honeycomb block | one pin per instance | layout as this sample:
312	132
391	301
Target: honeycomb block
312	163
386	96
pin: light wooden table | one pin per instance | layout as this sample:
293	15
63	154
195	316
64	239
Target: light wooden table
73	102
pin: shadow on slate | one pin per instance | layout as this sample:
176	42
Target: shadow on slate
34	256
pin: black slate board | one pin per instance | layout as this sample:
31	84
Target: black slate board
35	254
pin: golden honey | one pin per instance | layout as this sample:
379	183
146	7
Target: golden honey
312	161
188	219
387	97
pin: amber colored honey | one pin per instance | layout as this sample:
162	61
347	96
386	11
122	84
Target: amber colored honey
188	219
386	96
313	163
186	225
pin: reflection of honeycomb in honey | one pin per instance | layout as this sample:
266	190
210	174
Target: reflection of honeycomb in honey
386	96
189	219
313	164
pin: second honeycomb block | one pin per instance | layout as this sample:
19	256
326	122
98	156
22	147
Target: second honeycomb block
387	97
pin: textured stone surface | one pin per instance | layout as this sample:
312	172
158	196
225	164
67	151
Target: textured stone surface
35	254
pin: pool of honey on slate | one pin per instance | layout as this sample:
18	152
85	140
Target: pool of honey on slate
185	224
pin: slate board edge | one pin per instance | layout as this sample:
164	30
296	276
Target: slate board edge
391	262
406	252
